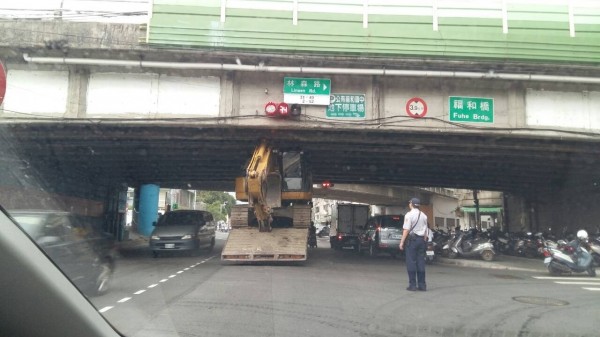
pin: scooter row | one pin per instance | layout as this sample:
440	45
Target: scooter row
464	244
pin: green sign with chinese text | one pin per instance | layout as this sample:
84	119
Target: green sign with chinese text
471	109
310	91
346	106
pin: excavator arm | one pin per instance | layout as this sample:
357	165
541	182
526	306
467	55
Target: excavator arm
263	185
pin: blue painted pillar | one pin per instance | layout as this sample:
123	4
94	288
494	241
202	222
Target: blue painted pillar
148	208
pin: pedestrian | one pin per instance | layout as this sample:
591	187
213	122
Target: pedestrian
415	235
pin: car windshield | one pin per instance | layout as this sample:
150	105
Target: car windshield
180	219
248	168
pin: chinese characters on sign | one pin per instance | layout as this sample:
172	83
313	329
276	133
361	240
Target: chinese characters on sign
309	91
346	106
471	109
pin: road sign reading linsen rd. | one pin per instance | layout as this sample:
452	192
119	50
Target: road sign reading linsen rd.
416	107
346	106
309	91
471	109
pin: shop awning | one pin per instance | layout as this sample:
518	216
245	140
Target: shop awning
482	209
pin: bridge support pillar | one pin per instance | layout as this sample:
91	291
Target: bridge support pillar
148	208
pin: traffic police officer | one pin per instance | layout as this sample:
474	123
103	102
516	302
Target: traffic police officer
415	236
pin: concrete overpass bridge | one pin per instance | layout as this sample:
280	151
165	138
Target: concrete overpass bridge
90	109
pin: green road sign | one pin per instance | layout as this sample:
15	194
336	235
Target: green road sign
308	91
471	109
346	106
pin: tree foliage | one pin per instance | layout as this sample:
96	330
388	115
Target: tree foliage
218	203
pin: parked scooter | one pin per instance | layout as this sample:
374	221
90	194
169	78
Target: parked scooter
430	252
572	258
324	231
463	246
594	249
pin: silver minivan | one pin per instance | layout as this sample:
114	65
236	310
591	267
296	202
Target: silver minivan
183	230
382	233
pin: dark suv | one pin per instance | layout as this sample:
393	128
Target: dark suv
382	233
84	253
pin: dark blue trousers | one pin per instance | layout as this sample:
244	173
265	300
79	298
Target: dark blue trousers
415	262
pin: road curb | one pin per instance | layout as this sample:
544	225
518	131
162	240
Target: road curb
488	265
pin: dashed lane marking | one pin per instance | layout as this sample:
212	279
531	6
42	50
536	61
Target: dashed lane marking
592	289
105	309
125	299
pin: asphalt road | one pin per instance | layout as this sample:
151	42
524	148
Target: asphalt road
340	294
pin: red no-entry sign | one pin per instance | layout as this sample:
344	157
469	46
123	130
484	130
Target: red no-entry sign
416	107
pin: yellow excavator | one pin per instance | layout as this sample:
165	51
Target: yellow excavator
273	226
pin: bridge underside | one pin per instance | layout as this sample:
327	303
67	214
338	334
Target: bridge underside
195	155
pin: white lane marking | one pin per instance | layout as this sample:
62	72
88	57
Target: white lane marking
139	292
188	268
171	276
579	283
163	280
592	289
124	299
201	262
192	266
153	285
105	309
566	278
179	272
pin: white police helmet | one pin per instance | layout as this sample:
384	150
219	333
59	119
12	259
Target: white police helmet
582	235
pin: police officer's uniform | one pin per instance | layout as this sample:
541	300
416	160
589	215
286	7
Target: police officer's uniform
415	222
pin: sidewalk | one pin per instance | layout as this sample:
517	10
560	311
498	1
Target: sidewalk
135	241
501	262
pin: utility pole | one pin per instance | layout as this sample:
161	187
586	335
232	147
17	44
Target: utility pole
477	215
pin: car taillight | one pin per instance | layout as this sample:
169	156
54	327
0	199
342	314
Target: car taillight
339	236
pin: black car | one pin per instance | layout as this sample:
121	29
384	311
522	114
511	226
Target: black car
85	254
382	234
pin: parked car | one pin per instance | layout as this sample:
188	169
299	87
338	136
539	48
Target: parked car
183	230
85	254
382	233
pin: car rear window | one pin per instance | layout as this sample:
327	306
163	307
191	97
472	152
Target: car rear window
181	219
395	221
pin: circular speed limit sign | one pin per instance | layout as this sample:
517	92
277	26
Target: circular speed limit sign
416	107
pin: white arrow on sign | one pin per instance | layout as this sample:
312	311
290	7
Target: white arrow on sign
324	87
